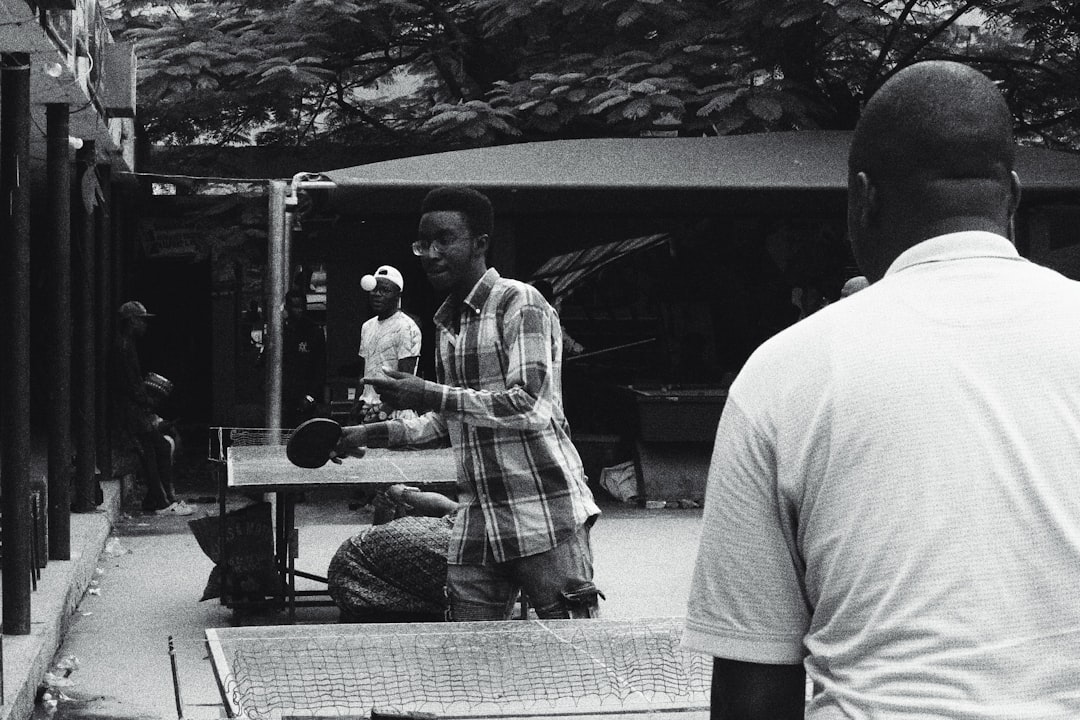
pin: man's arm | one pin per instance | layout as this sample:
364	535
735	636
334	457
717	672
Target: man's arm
131	383
408	351
426	430
746	598
754	691
527	400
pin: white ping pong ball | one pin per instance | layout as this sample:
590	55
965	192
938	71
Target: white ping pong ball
367	283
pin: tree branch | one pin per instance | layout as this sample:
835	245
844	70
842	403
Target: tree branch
930	37
890	39
1038	127
1006	61
314	114
447	76
339	99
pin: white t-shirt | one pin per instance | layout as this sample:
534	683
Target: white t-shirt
894	495
383	343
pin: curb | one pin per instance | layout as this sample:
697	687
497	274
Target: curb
26	658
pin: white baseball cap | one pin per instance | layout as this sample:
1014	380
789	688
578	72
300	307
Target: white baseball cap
389	272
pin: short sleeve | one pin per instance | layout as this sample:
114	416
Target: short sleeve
364	350
413	338
746	597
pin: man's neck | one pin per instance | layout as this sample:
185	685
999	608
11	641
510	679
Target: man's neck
908	235
386	314
947	226
465	287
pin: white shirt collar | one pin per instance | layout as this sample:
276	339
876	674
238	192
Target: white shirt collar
955	246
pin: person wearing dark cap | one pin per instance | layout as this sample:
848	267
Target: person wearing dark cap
892	507
134	413
390	339
524	507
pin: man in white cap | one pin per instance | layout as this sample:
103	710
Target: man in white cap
391	339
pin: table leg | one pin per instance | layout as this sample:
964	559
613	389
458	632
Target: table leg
291	542
281	547
223	534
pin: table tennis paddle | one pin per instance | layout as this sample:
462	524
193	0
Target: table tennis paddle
310	444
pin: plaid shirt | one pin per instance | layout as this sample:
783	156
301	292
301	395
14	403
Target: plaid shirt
521	486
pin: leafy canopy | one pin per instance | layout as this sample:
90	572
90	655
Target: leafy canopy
453	73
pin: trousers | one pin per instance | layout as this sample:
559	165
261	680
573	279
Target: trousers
155	460
558	584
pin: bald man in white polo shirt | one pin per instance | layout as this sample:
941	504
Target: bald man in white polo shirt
893	505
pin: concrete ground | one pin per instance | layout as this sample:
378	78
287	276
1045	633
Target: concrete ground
114	660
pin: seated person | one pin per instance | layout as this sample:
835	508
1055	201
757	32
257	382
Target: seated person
395	570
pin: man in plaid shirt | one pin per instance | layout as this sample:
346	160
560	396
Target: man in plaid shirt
525	507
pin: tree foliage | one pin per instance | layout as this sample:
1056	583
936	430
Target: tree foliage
476	72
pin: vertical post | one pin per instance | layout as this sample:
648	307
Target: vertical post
15	339
275	280
224	338
103	324
286	251
82	295
58	319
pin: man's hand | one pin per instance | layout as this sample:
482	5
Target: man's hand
351	444
399	390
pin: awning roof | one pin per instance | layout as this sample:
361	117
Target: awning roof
786	162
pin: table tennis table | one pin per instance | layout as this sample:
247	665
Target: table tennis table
611	669
254	461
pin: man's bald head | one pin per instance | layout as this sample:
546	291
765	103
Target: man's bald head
935	120
935	144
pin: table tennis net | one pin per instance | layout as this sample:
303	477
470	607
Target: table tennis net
507	669
222	438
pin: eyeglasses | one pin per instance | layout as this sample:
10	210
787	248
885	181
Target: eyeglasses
422	247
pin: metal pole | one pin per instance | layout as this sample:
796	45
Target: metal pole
15	359
286	251
176	680
275	295
58	318
83	373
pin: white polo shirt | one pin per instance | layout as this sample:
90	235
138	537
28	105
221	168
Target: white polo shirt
894	495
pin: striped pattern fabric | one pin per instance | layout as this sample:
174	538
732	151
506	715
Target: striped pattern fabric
565	272
521	485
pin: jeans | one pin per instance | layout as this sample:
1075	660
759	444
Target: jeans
558	584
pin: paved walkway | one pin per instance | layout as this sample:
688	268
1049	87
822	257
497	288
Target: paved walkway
146	583
26	658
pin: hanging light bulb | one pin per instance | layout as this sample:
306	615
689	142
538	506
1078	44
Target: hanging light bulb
54	69
75	143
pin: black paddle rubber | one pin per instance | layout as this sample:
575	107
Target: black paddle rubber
310	444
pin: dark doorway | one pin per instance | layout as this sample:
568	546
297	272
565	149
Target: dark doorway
178	341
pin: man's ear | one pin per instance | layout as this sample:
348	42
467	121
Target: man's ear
1014	193
867	198
481	244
